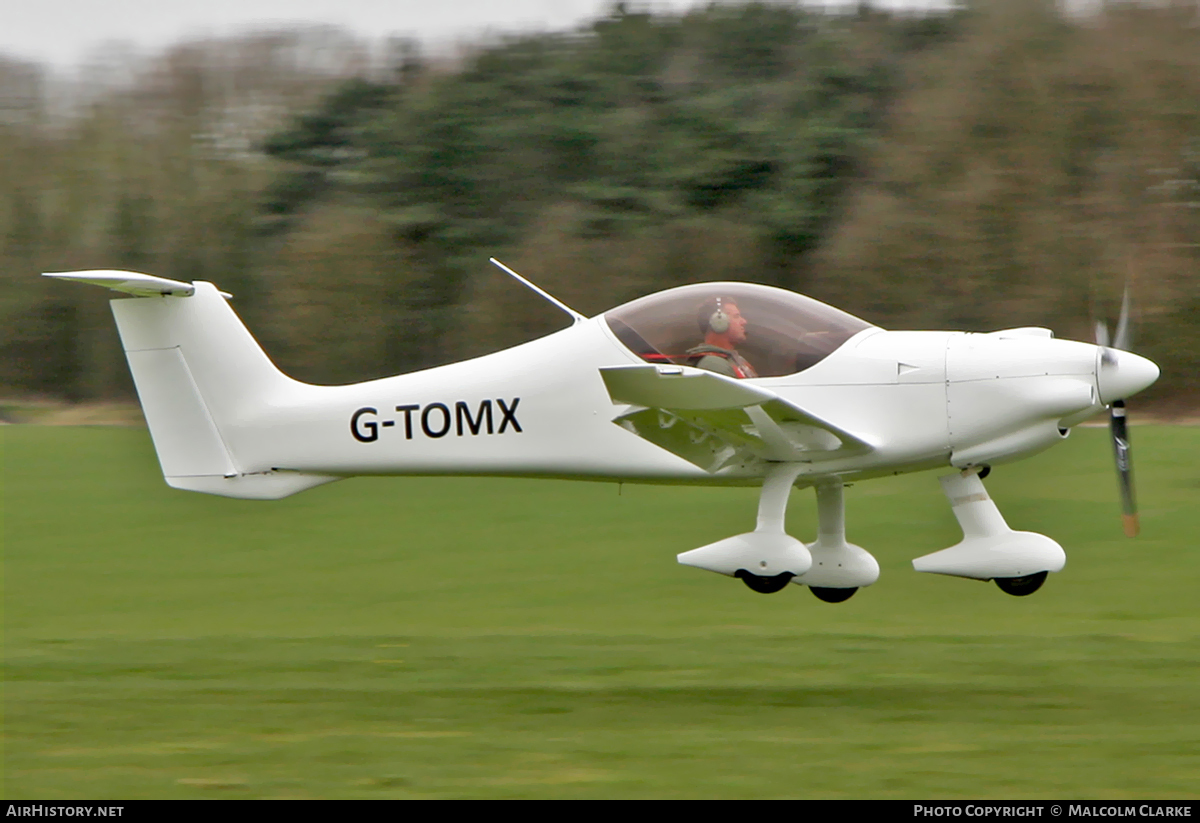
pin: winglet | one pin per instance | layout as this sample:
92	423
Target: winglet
129	282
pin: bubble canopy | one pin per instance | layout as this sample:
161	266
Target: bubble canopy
785	332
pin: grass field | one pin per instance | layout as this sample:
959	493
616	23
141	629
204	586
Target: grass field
499	638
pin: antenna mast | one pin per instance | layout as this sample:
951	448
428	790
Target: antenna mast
575	316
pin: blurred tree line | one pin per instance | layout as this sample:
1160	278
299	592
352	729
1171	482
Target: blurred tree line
1000	165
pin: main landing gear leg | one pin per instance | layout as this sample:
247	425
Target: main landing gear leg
773	500
767	558
839	568
772	514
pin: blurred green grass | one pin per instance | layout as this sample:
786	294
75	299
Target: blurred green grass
408	637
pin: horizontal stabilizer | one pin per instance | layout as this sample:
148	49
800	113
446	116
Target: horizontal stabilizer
130	282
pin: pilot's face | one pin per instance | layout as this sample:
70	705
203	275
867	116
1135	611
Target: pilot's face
737	323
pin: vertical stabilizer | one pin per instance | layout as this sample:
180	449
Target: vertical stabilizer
229	368
203	382
200	375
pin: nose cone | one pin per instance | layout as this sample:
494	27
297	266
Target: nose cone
1123	374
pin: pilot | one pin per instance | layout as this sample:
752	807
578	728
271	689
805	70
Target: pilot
723	327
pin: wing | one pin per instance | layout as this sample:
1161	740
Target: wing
719	423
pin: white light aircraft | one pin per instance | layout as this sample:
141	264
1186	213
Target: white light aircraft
792	393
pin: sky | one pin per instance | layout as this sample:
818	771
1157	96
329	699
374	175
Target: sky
63	33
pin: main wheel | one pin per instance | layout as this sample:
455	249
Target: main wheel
764	585
832	595
1021	586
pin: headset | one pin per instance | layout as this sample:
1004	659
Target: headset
719	322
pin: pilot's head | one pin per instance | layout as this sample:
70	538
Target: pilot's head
720	319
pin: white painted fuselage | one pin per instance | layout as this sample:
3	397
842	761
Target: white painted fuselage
619	398
224	420
922	399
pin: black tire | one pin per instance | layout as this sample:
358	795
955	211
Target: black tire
1021	586
832	595
764	585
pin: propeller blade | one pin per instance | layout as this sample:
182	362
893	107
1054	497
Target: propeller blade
1120	440
1101	333
1121	339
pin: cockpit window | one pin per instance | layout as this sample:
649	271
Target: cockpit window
772	332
